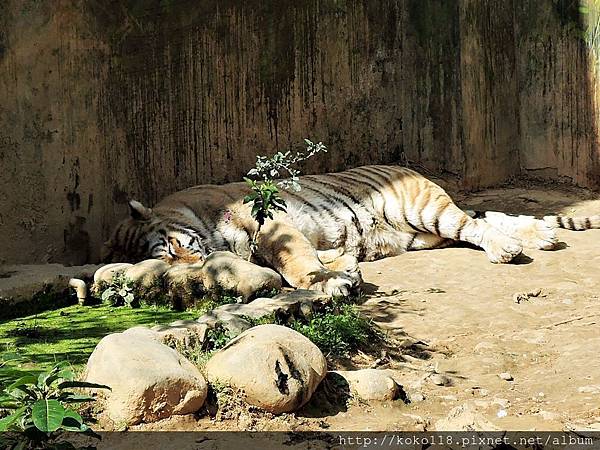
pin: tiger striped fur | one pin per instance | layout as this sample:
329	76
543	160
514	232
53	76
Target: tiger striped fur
364	213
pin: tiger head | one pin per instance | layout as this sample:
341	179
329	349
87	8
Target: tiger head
145	234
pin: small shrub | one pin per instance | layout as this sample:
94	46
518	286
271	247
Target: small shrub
337	330
218	337
214	300
36	404
119	292
264	197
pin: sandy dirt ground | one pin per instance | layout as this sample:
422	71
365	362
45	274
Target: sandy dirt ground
458	325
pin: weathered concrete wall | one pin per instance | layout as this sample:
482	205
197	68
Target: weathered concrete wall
103	100
557	47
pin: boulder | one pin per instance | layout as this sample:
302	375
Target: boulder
28	289
144	274
184	283
228	272
149	380
277	368
106	273
371	384
184	274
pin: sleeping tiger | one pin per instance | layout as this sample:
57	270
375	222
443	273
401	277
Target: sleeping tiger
334	221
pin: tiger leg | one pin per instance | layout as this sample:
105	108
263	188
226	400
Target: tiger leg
426	241
328	256
288	251
443	218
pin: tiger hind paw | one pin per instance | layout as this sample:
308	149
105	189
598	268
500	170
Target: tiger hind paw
531	232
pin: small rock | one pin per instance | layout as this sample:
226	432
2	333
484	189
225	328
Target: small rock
524	296
506	376
502	413
149	380
440	380
464	418
591	389
231	322
182	333
276	367
502	402
228	272
370	384
416	397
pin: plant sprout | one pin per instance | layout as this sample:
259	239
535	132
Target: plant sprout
265	196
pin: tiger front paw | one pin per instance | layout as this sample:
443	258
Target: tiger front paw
348	265
336	284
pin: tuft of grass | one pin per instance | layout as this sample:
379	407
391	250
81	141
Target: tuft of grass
337	330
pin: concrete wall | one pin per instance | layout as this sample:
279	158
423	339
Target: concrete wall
105	100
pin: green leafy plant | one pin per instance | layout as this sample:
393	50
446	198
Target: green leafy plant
265	196
337	330
37	403
119	292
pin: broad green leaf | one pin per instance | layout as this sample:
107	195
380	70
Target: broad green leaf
12	373
11	356
108	293
47	415
72	414
10	420
23	381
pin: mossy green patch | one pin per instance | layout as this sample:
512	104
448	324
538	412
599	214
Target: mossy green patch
72	333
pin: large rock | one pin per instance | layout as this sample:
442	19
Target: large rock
228	272
184	284
149	380
276	367
184	274
370	384
28	289
146	273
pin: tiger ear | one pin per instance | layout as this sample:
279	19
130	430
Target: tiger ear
137	211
